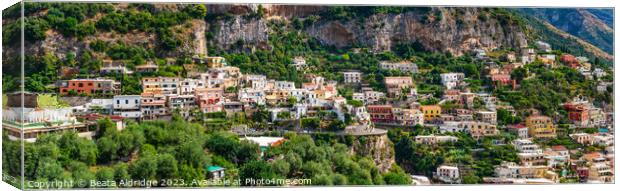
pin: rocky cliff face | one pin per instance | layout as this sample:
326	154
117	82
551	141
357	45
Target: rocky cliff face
456	30
379	148
248	30
453	30
193	41
59	45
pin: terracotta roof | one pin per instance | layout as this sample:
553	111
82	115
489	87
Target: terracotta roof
559	148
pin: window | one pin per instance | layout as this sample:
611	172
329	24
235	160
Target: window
118	101
126	101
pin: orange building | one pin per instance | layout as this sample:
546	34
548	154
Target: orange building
90	86
431	112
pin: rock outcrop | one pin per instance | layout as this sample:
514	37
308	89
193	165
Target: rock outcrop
454	30
377	147
250	31
457	30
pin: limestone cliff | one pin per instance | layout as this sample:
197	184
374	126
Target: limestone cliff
442	29
377	147
454	30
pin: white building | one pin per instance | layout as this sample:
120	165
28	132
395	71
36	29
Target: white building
369	97
184	103
114	67
372	97
360	113
127	106
299	94
255	81
599	73
252	96
603	139
352	77
405	66
103	106
299	110
35	121
448	174
359	97
526	59
451	127
188	86
163	85
452	80
285	85
526	146
434	139
299	63
596	117
490	102
582	138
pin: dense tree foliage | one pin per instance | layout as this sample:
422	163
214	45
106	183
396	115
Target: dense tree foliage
424	159
179	149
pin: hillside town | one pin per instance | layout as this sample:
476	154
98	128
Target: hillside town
213	86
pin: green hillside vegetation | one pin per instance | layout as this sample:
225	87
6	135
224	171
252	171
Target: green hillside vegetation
177	149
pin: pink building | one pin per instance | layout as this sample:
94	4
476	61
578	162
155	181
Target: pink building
502	79
210	99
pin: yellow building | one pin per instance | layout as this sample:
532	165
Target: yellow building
540	127
216	62
277	97
431	112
